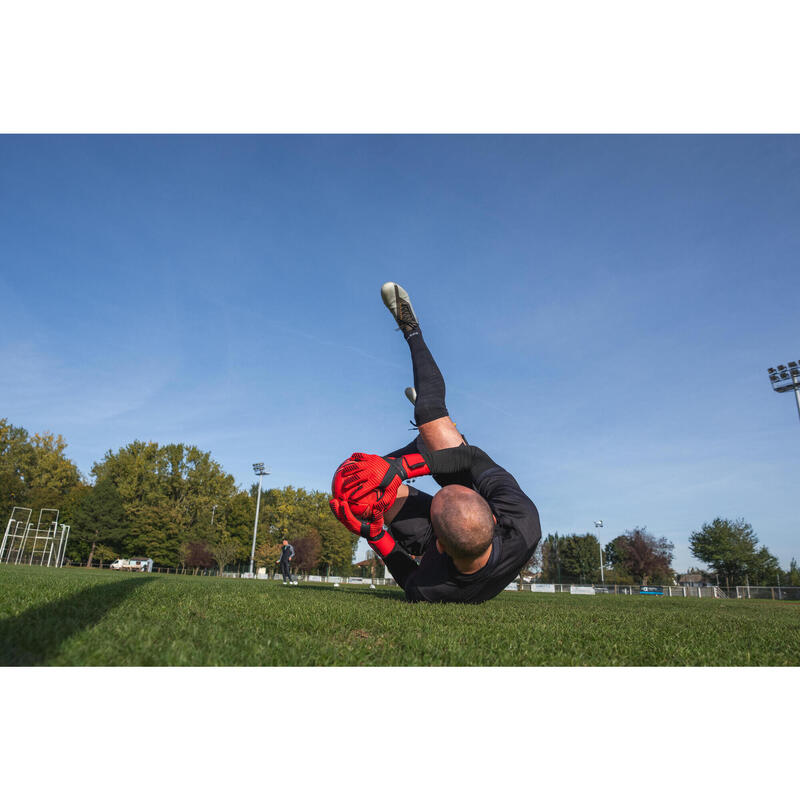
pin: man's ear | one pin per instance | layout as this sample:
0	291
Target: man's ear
439	547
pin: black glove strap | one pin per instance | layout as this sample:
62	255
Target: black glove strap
395	469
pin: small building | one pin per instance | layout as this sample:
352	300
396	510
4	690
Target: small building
693	579
369	568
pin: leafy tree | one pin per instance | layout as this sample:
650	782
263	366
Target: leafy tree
338	544
104	553
614	554
155	531
641	556
551	559
793	575
307	550
225	550
763	568
614	563
168	492
236	516
68	508
580	558
15	456
198	556
52	474
100	517
729	548
285	511
267	553
34	471
183	554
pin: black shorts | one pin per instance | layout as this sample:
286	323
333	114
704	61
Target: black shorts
412	528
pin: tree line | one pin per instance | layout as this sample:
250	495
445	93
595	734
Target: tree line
172	503
175	504
730	548
634	557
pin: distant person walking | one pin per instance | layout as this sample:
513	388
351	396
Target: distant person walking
287	554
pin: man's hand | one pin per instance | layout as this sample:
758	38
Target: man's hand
369	483
371	528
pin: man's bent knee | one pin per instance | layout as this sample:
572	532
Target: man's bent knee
440	434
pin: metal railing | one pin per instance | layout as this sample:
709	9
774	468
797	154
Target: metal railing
734	592
789	593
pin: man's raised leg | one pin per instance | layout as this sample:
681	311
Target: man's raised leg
437	430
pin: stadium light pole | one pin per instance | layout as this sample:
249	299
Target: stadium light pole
261	472
599	524
786	377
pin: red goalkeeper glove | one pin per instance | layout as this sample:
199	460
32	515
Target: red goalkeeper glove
369	483
380	540
347	479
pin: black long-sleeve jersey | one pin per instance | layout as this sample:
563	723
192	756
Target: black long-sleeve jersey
516	535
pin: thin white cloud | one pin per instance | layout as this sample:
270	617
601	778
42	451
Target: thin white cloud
39	386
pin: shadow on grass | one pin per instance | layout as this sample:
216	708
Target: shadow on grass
33	637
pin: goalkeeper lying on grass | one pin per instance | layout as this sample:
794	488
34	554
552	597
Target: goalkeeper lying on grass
474	535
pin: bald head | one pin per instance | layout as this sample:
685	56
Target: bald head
462	521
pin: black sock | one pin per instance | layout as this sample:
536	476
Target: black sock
428	381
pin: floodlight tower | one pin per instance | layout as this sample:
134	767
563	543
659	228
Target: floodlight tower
261	471
786	377
599	524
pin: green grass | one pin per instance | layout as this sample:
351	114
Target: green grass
87	617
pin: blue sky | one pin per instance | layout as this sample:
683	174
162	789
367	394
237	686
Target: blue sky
603	308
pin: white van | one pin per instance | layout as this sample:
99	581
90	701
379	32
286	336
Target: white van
133	564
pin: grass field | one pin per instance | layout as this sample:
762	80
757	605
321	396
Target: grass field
85	617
